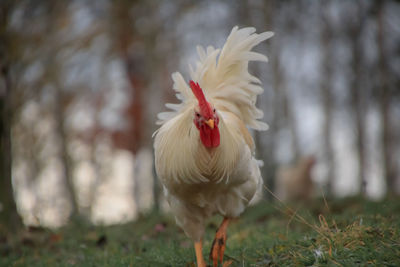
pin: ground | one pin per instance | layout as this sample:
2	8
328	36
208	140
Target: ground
346	232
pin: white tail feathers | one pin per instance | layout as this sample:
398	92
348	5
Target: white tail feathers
223	75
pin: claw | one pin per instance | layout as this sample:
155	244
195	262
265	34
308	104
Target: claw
219	244
218	249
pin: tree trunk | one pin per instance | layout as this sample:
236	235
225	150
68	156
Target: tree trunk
135	69
357	97
327	99
65	157
389	172
264	141
290	120
9	216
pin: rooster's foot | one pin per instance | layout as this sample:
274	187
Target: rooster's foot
219	244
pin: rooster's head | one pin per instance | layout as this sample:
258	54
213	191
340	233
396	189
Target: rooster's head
205	118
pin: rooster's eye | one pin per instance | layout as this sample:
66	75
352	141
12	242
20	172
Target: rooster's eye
198	115
214	110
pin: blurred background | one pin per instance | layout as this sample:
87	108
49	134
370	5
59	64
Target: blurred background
81	83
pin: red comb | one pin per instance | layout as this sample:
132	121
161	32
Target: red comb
198	93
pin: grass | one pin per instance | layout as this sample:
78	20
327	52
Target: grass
347	232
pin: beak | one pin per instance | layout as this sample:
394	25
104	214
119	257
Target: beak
210	123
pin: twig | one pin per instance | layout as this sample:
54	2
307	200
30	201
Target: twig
296	216
290	220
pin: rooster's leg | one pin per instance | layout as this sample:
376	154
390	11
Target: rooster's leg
198	246
218	246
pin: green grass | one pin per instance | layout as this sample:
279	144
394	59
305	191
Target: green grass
348	232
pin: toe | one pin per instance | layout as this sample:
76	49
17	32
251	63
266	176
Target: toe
214	253
217	250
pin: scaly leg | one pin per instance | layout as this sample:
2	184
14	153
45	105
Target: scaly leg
198	247
219	243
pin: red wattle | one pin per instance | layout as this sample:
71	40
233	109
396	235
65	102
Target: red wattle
209	137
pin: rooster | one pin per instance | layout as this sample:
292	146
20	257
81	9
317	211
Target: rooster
204	153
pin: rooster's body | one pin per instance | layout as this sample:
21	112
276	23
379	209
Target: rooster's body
204	153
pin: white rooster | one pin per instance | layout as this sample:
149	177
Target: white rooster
204	153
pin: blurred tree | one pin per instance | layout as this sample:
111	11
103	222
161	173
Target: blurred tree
385	102
357	92
45	41
133	45
56	20
327	93
60	106
9	216
282	88
261	15
142	34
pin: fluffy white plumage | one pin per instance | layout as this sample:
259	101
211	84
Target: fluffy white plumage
198	181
